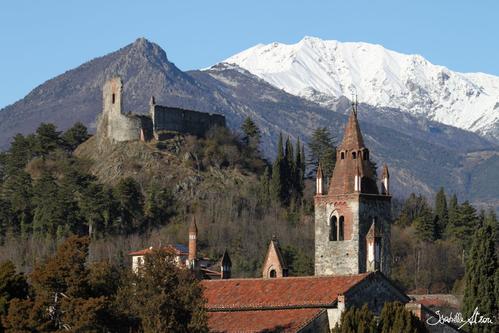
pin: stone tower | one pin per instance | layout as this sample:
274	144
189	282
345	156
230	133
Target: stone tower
352	220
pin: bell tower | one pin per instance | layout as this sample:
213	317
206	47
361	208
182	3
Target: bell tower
352	220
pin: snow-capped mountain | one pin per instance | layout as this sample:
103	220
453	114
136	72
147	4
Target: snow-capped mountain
323	70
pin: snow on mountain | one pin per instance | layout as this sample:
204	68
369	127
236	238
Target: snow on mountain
315	69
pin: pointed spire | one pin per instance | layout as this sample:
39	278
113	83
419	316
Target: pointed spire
385	174
193	228
319	171
352	138
225	265
319	189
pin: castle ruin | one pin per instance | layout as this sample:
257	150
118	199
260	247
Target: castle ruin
162	121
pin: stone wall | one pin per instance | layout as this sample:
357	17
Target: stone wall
167	119
348	256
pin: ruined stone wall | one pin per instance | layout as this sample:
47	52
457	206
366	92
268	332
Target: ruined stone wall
115	125
348	256
166	119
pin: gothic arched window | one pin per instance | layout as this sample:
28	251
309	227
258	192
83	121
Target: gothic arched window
114	98
333	232
273	273
341	229
354	155
342	154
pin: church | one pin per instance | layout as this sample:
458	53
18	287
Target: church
352	258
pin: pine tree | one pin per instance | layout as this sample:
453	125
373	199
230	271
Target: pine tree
47	139
252	135
481	278
130	205
75	136
441	212
322	149
426	226
464	222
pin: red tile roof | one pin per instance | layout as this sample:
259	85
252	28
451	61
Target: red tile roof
249	294
261	321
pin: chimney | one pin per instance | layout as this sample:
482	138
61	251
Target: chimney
193	234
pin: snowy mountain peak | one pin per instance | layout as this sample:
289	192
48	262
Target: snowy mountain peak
380	77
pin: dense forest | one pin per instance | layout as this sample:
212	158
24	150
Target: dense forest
50	190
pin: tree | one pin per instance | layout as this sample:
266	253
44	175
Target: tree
441	212
158	207
322	149
12	285
252	135
47	139
166	298
464	222
278	189
480	278
130	205
395	318
355	320
426	228
75	136
300	169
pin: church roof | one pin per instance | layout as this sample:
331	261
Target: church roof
291	320
251	294
268	305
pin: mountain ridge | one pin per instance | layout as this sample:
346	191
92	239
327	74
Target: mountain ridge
379	77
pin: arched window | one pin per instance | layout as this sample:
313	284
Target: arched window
354	155
114	98
333	233
342	154
341	229
273	273
366	155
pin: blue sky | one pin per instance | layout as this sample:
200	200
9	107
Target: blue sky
41	39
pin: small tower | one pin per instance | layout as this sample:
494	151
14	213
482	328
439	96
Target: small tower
274	265
319	181
225	266
385	181
193	235
373	245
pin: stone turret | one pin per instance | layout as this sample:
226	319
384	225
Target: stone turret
385	181
319	180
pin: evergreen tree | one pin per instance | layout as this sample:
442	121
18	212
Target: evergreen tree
426	226
75	136
395	319
322	149
481	278
130	205
47	139
278	181
92	206
464	222
252	135
264	196
451	213
290	169
355	320
441	212
300	171
158	207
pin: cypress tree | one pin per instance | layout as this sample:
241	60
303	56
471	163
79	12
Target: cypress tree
441	212
276	185
290	169
451	214
481	279
300	172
